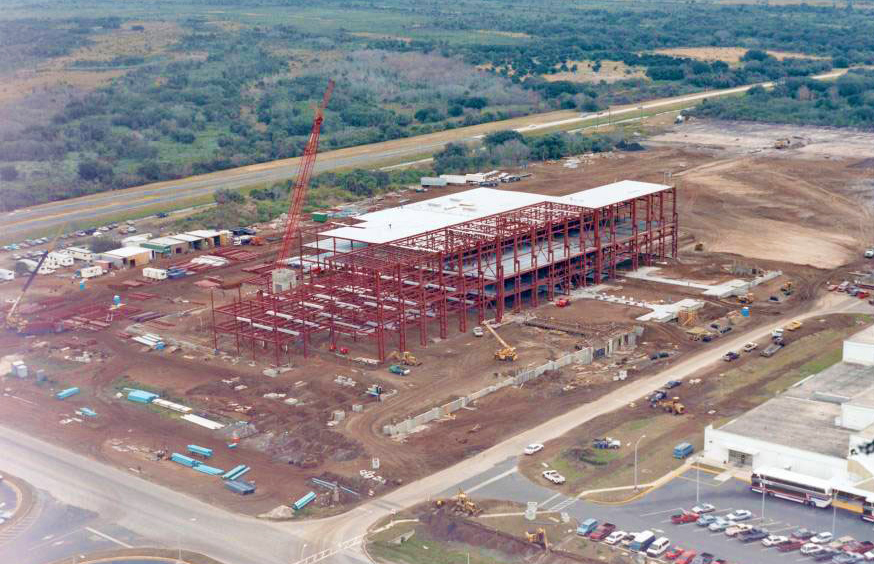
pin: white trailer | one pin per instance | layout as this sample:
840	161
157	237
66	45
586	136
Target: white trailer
58	260
6	274
154	273
90	272
79	253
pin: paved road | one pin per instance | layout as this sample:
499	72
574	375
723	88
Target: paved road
90	208
167	518
7	498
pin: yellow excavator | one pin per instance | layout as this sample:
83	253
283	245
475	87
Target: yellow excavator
672	406
460	504
405	358
538	537
14	321
507	353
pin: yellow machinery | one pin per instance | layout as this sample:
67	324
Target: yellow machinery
672	406
405	357
14	322
793	325
538	537
507	353
746	299
787	288
460	504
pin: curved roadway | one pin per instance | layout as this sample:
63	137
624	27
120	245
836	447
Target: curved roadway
47	217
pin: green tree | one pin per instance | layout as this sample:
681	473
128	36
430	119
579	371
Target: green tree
228	196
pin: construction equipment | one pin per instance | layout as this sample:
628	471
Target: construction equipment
562	302
299	192
405	357
746	299
460	504
787	288
538	537
672	406
15	322
782	143
507	353
793	325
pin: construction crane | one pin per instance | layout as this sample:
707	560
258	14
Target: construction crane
15	322
302	182
507	353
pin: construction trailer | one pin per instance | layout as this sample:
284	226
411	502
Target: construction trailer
482	251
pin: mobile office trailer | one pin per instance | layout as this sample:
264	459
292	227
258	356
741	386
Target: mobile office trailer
90	272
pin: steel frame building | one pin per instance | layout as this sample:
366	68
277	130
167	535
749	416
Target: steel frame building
389	291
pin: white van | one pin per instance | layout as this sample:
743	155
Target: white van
660	545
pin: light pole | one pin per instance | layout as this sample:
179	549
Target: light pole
698	481
635	460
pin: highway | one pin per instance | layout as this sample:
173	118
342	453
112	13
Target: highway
49	217
165	518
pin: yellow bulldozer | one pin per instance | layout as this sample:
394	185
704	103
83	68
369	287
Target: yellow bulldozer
538	537
460	504
405	358
506	353
672	406
746	299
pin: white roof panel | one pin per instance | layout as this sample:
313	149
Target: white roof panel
166	241
125	252
204	233
187	237
415	218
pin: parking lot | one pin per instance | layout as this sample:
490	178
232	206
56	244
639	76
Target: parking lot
654	512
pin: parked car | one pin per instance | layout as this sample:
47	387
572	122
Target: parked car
846	558
674	553
801	534
533	448
703	558
773	540
753	535
602	532
729	356
739	515
811	549
858	547
587	526
827	554
751	346
705	520
686	558
658	547
615	537
822	538
673	384
719	524
553	476
736	529
684	517
703	508
790	545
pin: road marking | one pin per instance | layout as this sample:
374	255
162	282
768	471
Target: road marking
493	479
107	537
660	512
547	500
564	504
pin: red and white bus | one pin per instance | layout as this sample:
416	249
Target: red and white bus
792	486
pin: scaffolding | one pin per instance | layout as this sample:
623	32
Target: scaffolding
508	260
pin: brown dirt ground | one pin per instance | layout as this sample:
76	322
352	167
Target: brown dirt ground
345	449
727	54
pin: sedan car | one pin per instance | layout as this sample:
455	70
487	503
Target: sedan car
739	515
822	538
790	545
719	524
753	535
684	517
774	540
751	346
674	553
846	558
533	448
802	534
686	558
553	476
811	549
673	384
615	537
734	530
705	520
703	508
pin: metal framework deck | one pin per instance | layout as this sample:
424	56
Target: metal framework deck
486	265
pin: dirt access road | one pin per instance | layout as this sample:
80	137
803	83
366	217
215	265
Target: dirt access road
173	518
51	216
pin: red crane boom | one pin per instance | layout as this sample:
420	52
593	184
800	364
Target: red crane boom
302	183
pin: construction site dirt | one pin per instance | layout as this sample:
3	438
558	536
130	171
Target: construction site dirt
291	418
